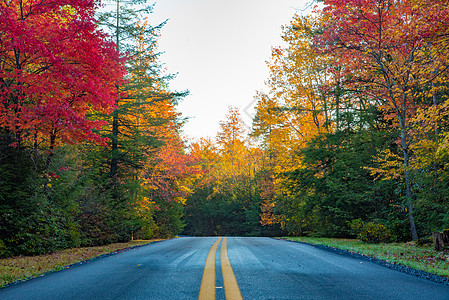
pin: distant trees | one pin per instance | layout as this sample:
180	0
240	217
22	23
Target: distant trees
227	195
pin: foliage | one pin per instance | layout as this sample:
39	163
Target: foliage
370	232
227	199
81	130
168	219
395	62
354	126
332	188
355	122
31	221
56	68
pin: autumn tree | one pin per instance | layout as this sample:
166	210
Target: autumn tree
429	127
62	86
56	70
309	124
297	107
230	140
389	54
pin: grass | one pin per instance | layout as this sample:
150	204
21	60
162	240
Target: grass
423	258
26	267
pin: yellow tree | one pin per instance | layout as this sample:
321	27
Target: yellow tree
297	108
231	146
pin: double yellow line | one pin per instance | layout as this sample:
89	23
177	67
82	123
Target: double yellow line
207	291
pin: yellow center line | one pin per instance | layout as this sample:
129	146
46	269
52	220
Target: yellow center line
232	290
207	290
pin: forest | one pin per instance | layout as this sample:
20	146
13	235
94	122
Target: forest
350	138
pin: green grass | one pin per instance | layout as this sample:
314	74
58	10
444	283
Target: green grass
408	254
26	267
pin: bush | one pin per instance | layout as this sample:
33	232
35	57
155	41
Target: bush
370	232
168	220
3	250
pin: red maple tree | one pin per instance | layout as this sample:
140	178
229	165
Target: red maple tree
56	68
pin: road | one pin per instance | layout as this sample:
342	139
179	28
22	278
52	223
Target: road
257	268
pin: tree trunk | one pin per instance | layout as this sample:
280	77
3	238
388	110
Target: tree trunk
115	124
51	150
446	236
408	186
438	242
114	145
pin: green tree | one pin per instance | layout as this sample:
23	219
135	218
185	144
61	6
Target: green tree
144	107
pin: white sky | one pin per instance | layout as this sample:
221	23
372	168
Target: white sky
219	49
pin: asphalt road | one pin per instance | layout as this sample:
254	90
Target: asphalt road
264	268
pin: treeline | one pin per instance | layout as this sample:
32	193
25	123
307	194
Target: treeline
356	120
228	193
90	149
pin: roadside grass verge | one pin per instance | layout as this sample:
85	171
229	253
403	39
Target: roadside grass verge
26	267
423	258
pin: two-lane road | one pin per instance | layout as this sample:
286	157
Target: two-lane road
261	268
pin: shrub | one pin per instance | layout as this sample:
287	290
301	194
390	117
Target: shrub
370	232
3	249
